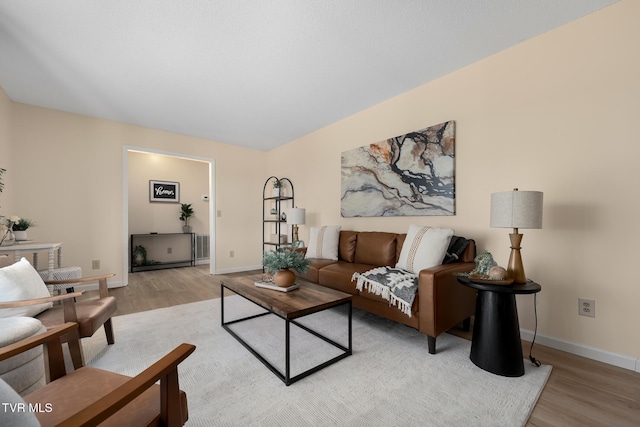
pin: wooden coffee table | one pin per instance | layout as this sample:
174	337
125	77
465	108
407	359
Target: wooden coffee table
308	299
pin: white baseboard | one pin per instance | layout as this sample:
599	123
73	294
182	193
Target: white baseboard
94	286
239	269
593	353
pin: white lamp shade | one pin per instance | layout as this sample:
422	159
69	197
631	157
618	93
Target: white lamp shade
516	209
296	216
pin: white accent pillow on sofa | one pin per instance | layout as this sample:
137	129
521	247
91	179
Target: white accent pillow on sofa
424	247
21	281
323	242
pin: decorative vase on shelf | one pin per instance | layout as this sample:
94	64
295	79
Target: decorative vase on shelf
186	229
284	278
20	235
7	238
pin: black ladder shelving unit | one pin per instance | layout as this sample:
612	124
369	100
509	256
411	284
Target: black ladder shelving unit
275	234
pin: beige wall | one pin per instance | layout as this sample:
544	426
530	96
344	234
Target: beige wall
161	217
556	114
5	152
67	176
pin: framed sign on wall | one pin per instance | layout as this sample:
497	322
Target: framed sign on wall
164	191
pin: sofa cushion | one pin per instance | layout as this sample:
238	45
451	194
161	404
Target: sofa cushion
376	248
20	281
399	244
373	297
323	242
347	247
338	276
424	247
315	264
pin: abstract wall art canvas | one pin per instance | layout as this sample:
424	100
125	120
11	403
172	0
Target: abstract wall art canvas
409	175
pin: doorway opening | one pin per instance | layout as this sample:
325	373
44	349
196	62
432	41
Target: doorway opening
160	217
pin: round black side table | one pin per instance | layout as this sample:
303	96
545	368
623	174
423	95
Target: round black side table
496	345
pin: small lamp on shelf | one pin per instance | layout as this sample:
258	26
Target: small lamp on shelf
296	217
516	209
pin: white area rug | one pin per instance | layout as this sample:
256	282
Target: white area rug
389	380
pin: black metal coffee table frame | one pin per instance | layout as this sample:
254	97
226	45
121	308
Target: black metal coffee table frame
286	376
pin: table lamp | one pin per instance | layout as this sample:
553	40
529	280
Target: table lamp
516	209
296	217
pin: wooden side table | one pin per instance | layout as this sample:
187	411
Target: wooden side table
496	345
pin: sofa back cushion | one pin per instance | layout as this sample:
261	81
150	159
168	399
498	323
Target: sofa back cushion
469	254
399	242
376	248
347	247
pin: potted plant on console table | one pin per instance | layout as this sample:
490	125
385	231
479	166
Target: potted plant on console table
186	212
279	263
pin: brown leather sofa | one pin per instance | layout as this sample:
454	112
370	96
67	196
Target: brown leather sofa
441	302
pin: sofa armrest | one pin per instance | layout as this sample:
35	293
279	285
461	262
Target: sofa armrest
443	301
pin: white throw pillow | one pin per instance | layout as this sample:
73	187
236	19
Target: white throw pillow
424	247
21	281
323	242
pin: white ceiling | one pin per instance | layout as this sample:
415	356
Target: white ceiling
254	73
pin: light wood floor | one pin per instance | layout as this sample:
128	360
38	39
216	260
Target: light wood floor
580	391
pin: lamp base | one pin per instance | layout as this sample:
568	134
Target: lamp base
295	233
515	269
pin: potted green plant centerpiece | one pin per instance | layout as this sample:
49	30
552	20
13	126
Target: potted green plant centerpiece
20	228
186	212
280	262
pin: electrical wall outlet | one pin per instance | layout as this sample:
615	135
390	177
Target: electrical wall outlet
587	307
169	250
231	254
95	264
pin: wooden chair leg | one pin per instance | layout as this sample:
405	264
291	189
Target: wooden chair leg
53	360
170	406
108	330
75	349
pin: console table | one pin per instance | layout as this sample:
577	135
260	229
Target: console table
189	261
496	345
20	249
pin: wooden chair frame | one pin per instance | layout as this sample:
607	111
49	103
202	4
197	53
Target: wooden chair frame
165	370
70	313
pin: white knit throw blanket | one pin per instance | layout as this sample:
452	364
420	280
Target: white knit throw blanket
396	285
